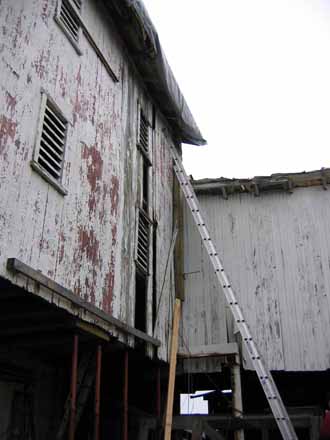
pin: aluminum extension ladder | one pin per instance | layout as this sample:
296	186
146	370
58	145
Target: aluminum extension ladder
275	401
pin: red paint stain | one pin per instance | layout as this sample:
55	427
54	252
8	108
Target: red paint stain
94	163
7	132
45	12
80	108
11	102
108	290
114	195
61	249
41	63
89	245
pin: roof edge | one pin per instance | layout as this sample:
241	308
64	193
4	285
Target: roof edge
142	41
275	182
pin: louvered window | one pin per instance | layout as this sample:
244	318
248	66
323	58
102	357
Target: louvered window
144	133
52	141
69	18
78	4
143	241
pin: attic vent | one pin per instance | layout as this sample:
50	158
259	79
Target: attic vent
78	4
69	18
144	133
143	243
51	149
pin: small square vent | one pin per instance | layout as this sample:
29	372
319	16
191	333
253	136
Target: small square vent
52	142
69	18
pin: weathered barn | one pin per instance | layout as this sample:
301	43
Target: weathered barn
88	110
273	236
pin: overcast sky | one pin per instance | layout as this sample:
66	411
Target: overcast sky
256	76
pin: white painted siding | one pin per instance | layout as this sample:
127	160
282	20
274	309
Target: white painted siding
84	241
276	251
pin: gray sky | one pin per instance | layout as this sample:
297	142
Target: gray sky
256	75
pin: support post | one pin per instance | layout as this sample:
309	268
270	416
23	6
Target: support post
171	379
237	395
125	397
73	389
97	392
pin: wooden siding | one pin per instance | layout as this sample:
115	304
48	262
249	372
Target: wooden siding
84	241
276	251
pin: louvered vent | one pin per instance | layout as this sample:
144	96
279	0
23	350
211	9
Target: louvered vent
144	133
143	243
70	19
51	150
78	4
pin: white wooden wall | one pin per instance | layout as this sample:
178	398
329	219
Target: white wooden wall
85	241
276	250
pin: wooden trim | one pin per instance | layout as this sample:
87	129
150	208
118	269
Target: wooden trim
15	265
203	351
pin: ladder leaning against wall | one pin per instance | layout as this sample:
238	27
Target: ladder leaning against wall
264	375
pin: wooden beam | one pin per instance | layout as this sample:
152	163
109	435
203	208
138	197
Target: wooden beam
172	373
15	265
211	350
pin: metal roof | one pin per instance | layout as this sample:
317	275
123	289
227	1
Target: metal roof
141	38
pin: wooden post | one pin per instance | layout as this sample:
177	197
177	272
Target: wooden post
97	392
237	396
125	397
73	388
172	373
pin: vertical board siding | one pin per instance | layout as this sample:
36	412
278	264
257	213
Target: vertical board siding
85	241
276	251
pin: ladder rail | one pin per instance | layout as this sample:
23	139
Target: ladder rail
270	389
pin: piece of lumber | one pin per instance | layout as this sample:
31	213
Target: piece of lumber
172	373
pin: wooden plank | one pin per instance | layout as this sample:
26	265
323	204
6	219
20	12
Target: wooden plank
211	350
15	265
172	373
255	421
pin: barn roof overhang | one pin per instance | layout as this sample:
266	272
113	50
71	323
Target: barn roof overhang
256	185
141	38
